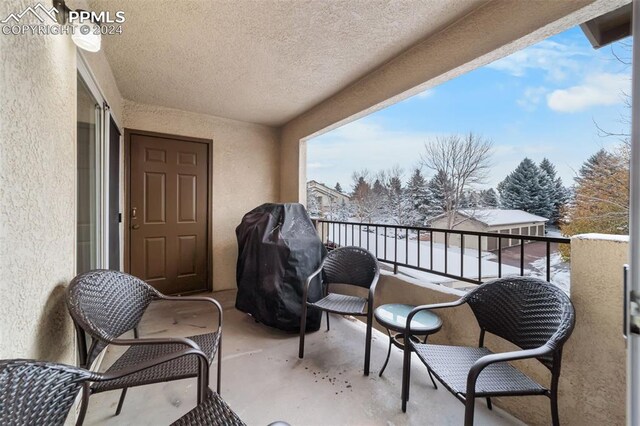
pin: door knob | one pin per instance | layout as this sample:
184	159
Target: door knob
135	226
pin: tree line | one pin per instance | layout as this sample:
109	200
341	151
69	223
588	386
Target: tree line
458	165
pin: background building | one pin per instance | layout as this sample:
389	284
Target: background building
324	201
514	222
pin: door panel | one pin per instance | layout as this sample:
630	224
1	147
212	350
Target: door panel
169	213
114	197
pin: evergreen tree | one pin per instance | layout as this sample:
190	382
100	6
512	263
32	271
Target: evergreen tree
440	188
379	189
471	200
394	199
464	201
362	197
419	196
558	193
338	187
526	188
598	165
489	198
343	211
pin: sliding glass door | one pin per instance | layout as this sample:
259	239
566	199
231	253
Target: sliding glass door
89	180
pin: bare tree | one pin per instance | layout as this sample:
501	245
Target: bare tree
463	161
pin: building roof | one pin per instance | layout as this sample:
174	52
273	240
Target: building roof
321	187
494	217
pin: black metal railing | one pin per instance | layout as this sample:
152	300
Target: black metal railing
450	251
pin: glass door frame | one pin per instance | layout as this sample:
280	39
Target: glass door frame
102	163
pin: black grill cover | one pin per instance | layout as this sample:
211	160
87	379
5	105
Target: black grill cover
278	248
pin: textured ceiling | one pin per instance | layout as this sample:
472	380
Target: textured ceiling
261	61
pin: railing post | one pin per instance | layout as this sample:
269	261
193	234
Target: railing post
548	261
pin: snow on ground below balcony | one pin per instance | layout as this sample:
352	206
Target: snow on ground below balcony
416	253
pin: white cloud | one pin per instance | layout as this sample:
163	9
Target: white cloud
426	94
596	89
316	165
362	144
532	97
557	60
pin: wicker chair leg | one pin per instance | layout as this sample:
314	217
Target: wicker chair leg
367	348
84	403
219	372
489	406
121	401
555	417
408	382
433	380
328	321
303	325
469	410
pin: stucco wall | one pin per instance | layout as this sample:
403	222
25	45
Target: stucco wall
497	29
38	186
592	381
245	171
37	192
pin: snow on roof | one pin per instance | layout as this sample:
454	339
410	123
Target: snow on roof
493	217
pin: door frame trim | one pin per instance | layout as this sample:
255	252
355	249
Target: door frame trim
127	198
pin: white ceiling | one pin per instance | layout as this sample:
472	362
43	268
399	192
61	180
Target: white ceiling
263	61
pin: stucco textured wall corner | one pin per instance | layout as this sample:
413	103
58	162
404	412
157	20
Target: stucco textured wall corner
594	370
37	192
447	54
245	171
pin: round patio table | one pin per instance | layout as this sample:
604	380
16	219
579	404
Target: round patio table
393	317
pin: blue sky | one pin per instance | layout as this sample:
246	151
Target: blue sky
539	102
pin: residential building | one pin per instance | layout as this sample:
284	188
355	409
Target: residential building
327	200
508	222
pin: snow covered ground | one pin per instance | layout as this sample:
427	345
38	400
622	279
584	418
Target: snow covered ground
412	252
560	271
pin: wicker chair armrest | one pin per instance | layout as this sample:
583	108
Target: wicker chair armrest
198	299
487	360
372	288
417	309
101	377
157	341
307	282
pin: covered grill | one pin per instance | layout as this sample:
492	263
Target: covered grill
278	248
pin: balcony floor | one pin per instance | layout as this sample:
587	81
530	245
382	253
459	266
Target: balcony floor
263	380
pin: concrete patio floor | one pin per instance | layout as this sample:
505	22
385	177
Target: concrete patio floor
263	380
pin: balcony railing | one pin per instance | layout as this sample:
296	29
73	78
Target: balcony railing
467	256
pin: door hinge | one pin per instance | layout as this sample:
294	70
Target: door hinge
119	217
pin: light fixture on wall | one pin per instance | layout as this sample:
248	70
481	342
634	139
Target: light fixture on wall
86	31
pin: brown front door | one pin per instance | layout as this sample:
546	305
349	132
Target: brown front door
169	212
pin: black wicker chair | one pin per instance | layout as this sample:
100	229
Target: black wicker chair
105	304
42	393
528	312
346	265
